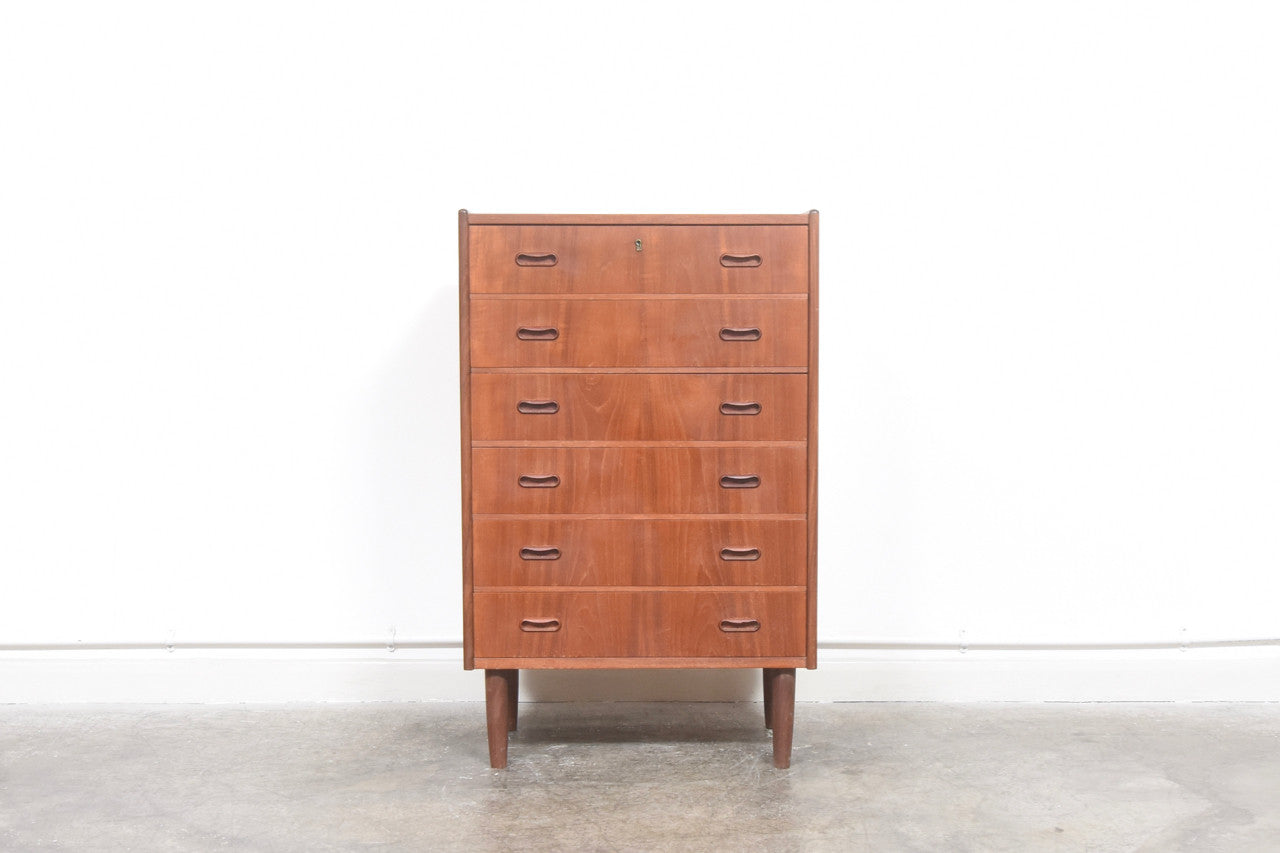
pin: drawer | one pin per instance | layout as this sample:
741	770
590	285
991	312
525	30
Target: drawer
671	259
639	624
645	406
609	552
758	479
696	332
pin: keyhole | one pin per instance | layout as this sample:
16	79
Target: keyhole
638	246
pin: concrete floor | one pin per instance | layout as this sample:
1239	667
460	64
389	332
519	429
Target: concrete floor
633	776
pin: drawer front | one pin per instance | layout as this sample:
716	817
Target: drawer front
640	624
667	552
630	407
734	333
671	259
761	479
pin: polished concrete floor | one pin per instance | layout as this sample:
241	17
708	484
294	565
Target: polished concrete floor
633	776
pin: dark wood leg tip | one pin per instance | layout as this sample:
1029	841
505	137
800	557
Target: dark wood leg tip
768	698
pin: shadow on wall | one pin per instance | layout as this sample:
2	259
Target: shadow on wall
641	685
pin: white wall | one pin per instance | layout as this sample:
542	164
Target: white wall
1051	292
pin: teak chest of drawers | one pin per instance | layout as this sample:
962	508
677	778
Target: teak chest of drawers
639	449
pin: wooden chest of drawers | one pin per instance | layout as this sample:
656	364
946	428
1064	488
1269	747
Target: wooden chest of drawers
639	449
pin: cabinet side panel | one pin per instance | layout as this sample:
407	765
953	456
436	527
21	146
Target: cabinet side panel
464	365
811	651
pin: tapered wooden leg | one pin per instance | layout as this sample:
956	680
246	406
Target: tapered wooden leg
513	698
768	698
497	706
783	714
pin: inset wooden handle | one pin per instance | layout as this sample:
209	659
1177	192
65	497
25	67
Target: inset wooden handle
539	481
536	625
740	481
738	626
537	407
731	334
728	260
539	553
731	554
739	408
537	333
528	259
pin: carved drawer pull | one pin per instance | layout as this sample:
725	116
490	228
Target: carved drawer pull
539	481
537	333
740	408
540	625
543	259
743	481
739	626
731	334
537	407
539	553
728	260
731	554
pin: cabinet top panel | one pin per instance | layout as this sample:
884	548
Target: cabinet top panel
636	219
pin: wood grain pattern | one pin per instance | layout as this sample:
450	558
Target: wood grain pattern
639	624
644	516
684	552
682	662
640	333
638	479
604	259
759	368
621	407
604	220
636	296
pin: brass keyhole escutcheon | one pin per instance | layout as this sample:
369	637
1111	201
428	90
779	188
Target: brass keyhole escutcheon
638	246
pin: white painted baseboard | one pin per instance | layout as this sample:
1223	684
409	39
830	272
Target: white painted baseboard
236	675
